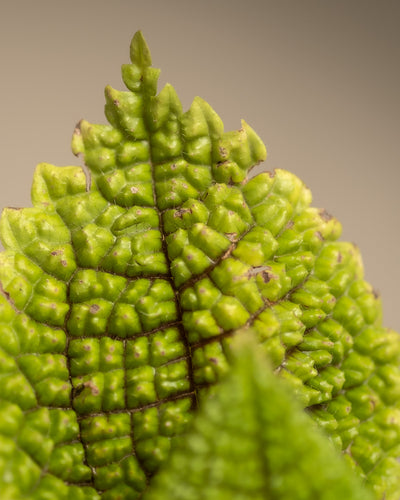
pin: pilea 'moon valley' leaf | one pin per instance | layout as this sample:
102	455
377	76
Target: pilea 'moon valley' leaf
123	286
221	459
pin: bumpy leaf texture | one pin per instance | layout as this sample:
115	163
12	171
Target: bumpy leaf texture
264	448
123	285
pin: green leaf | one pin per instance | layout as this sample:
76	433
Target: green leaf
140	53
124	283
252	440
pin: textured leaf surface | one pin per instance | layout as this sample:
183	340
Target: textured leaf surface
123	284
252	441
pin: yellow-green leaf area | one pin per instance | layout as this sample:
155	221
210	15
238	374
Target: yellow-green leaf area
123	287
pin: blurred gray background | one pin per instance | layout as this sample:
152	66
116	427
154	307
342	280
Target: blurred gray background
318	80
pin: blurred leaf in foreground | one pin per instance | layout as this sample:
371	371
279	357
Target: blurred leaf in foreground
252	441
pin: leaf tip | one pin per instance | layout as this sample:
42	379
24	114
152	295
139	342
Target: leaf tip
77	145
258	147
139	51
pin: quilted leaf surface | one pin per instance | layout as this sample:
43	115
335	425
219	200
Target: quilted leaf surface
124	283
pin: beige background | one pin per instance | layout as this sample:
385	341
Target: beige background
318	80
